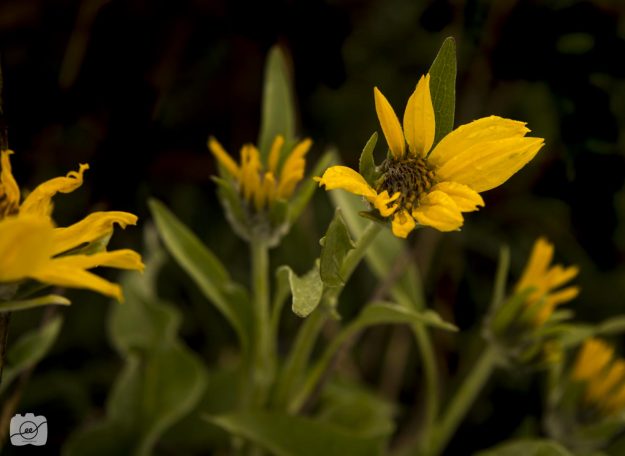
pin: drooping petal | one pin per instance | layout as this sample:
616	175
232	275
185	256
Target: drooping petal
93	227
390	125
347	179
438	210
402	224
25	246
223	157
419	121
466	198
490	164
9	190
73	277
39	201
479	131
293	169
274	154
381	203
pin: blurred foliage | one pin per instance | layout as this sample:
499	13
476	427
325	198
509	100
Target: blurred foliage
135	88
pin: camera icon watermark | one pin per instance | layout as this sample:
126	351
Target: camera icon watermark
28	430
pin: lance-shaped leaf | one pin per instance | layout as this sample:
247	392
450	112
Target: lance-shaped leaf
286	435
366	164
335	245
22	304
29	350
278	105
443	88
205	269
379	313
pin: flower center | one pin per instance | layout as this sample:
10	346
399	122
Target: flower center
412	177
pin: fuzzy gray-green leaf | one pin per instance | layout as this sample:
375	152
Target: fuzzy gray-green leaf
336	244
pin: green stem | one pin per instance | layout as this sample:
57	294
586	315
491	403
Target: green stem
462	400
264	358
431	397
309	332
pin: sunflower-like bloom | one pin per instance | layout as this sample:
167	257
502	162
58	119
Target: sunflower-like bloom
32	247
433	186
603	375
542	280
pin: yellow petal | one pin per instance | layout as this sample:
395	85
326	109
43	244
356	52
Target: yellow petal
602	387
250	170
39	201
557	275
25	246
540	258
419	122
479	131
381	203
347	179
402	224
274	154
438	210
120	259
223	157
591	359
73	277
390	125
466	198
9	191
293	169
562	296
93	227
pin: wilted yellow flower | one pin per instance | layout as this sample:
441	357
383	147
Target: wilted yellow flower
433	187
603	375
544	281
258	184
31	247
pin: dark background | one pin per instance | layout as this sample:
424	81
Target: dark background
134	88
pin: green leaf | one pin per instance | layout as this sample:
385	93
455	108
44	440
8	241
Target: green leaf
379	313
538	447
29	349
503	266
336	244
443	88
366	164
10	306
231	203
205	269
278	105
306	291
611	326
350	406
286	435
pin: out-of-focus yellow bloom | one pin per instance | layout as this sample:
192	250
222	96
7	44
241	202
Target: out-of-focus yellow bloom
31	247
603	375
544	280
261	184
434	187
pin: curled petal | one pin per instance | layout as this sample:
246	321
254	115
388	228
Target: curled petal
402	224
293	169
381	203
419	122
390	124
438	210
93	227
68	276
347	179
465	197
120	259
39	201
9	190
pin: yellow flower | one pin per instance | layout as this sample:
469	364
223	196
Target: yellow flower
31	247
258	184
544	280
434	186
603	375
